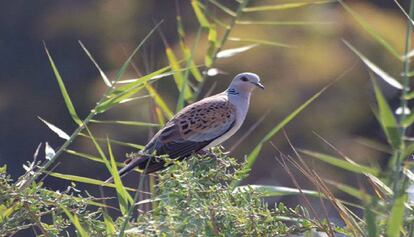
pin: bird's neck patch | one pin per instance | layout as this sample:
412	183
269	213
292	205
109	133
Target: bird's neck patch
232	91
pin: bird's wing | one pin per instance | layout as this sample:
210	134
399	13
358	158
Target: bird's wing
194	127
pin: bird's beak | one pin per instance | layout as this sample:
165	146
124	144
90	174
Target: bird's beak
258	84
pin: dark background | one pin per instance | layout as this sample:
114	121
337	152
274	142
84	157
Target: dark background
111	29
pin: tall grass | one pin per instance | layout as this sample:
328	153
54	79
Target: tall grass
385	208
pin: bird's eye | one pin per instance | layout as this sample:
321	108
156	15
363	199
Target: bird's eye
244	79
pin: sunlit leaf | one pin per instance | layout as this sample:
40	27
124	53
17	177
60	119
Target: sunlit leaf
49	151
199	14
63	90
159	101
396	218
55	129
374	68
125	92
343	164
284	6
182	85
213	43
231	52
103	75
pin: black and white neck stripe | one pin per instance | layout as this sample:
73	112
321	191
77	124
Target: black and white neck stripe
232	91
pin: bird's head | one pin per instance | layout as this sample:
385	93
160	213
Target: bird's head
246	82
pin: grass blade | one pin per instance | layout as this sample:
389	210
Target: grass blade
396	218
284	6
55	129
103	75
276	191
251	158
343	164
199	14
127	144
284	23
125	65
63	90
374	68
85	180
359	194
159	101
75	221
109	225
261	42
182	86
387	119
223	8
123	196
371	31
127	123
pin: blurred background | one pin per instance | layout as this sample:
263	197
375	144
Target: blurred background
112	29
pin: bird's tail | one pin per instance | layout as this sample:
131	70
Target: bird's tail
139	162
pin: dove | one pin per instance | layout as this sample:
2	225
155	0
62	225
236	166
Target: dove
198	126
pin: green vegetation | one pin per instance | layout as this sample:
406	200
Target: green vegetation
202	196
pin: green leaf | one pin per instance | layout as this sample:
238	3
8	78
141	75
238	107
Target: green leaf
75	221
284	6
85	180
387	119
343	164
63	90
276	191
251	158
199	14
370	30
123	196
127	123
396	218
374	68
261	42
